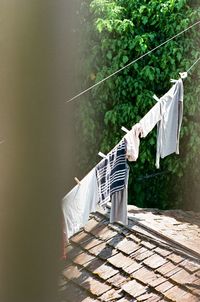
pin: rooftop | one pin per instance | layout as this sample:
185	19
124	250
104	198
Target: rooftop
155	258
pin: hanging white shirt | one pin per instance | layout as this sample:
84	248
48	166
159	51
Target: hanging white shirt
79	203
148	122
167	113
170	124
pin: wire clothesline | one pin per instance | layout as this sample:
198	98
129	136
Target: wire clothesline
183	75
134	61
193	64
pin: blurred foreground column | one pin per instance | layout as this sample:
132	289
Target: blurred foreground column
31	182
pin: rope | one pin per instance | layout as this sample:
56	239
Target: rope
193	64
132	62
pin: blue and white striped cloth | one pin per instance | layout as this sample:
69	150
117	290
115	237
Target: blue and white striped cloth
111	173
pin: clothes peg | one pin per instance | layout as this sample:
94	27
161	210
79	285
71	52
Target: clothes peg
77	180
124	129
102	155
173	81
183	75
156	98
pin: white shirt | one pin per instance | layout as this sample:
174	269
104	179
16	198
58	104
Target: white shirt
170	124
167	113
79	203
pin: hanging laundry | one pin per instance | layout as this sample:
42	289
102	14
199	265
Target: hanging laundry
119	200
133	142
149	121
167	113
111	173
112	177
170	124
79	203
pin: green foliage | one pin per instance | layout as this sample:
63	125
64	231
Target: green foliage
118	32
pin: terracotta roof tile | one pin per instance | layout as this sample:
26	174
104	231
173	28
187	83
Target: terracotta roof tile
173	272
188	297
120	261
197	281
134	238
92	224
73	250
103	251
81	237
90	243
111	262
163	287
86	280
134	288
103	232
175	258
111	295
71	272
148	245
159	280
134	266
196	291
190	266
148	297
104	271
163	252
144	253
145	275
175	293
115	240
120	229
118	280
155	261
183	277
94	286
83	259
94	264
73	293
166	268
127	246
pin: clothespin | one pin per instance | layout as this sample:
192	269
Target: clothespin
183	75
173	81
156	98
102	155
77	180
124	129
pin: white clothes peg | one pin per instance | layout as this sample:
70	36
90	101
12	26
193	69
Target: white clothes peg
156	98
77	180
183	75
102	155
124	129
173	81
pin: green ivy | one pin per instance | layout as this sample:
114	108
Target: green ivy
118	32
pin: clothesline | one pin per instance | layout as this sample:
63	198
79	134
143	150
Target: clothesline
103	156
184	74
108	180
134	61
193	65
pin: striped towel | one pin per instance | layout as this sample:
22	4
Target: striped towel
111	173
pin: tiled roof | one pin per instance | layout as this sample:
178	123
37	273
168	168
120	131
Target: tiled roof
155	258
